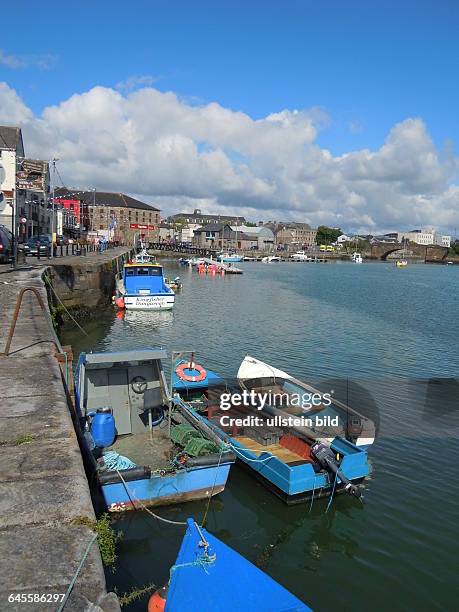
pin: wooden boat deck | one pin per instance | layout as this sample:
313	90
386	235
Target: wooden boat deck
282	453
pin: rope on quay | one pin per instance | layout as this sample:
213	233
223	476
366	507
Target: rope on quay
132	497
64	306
77	573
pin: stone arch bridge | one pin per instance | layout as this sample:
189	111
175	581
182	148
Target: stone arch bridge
428	253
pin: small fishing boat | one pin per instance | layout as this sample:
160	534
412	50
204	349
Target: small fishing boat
263	378
229	258
175	284
297	456
143	451
401	263
184	261
142	287
209	576
357	258
143	257
271	259
301	256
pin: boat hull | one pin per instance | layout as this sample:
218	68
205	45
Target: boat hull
149	302
187	485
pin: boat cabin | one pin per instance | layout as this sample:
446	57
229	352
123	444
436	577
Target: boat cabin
144	279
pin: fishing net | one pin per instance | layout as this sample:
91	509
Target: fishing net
181	434
197	447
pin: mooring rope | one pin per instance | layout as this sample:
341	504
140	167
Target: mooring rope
133	497
241	454
47	281
77	573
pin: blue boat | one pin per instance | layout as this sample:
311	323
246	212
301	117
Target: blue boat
143	452
142	287
209	576
298	462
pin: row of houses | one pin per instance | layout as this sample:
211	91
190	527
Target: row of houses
234	232
29	205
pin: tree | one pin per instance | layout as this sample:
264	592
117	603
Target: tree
327	235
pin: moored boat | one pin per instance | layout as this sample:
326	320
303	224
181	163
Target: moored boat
401	263
142	287
142	452
271	259
263	378
357	258
229	258
294	457
209	576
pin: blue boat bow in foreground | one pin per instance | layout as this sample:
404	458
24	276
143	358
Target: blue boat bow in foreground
209	576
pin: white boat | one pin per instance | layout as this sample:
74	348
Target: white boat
229	258
143	257
301	256
270	259
262	378
401	263
357	258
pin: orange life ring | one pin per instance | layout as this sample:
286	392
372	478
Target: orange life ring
180	371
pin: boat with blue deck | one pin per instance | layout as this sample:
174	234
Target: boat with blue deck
296	461
209	576
143	451
142	287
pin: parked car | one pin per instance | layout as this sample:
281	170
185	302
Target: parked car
42	242
6	244
62	240
254	247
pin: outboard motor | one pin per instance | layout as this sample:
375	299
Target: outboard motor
325	456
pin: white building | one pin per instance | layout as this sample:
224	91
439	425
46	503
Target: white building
442	240
343	238
11	148
24	187
425	237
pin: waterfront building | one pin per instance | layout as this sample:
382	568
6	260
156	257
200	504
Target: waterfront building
296	235
263	235
425	237
223	236
199	219
114	216
24	187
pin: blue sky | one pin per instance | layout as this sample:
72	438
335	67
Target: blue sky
366	66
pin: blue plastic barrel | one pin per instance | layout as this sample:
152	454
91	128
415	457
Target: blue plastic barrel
103	428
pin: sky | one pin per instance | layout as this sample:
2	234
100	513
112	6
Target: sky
342	113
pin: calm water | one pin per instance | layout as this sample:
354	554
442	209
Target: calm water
383	338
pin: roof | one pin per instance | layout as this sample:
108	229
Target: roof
211	227
105	198
254	230
11	138
199	215
117	357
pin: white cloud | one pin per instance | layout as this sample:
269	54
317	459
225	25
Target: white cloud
134	82
15	62
185	156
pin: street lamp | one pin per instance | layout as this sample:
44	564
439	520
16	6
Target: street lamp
53	162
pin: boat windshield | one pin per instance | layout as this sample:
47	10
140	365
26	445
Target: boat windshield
143	271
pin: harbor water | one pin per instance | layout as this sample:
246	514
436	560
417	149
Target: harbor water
383	339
